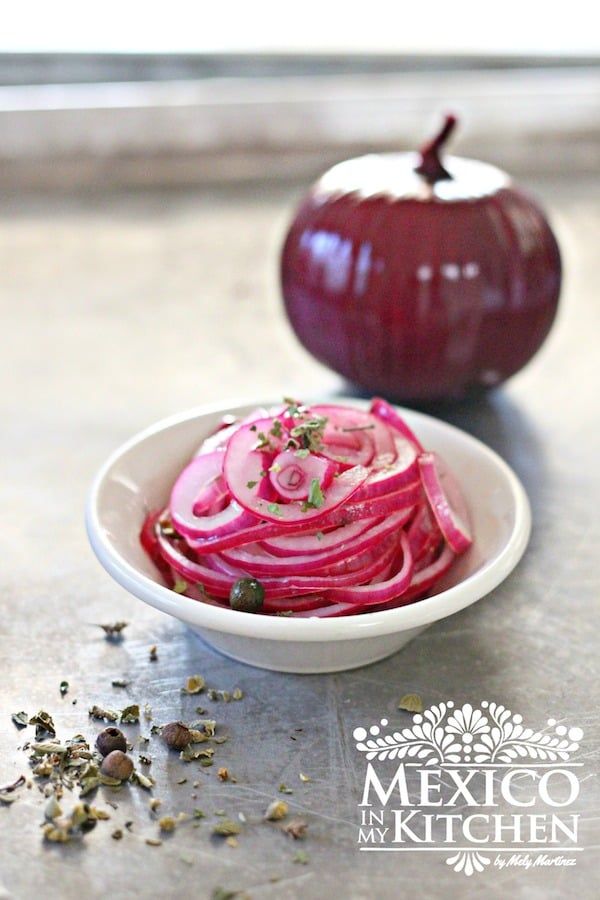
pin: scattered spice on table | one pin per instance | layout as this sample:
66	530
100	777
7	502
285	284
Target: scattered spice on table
117	765
61	766
9	792
276	810
44	725
411	703
176	735
194	685
221	893
131	714
167	823
107	715
226	827
296	828
110	739
114	631
144	781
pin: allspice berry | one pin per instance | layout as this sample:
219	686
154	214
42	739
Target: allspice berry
176	735
111	739
117	765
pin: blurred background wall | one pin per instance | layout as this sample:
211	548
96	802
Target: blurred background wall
126	94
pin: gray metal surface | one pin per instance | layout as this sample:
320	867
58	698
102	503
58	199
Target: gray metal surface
117	311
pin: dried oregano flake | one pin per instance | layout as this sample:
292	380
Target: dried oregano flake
411	703
20	719
194	685
114	631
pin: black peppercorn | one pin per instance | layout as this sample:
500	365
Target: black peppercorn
247	595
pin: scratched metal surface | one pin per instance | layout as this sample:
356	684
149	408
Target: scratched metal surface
119	310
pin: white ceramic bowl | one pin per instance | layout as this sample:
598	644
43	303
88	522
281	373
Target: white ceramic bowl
138	478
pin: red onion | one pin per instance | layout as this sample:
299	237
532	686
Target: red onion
418	277
454	529
335	510
245	473
383	410
258	561
291	477
299	544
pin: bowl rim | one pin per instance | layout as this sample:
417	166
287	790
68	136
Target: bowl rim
365	625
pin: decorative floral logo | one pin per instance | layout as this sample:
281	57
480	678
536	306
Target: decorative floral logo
489	734
468	862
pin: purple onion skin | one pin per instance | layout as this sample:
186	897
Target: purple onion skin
417	296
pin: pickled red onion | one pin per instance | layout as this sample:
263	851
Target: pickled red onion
336	510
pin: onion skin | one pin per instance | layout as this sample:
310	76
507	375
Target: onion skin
420	291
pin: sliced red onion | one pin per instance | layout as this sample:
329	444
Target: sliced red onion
424	580
421	583
382	410
372	594
257	561
317	542
293	604
405	498
347	514
219	439
201	472
451	524
244	467
423	531
292	476
347	448
219	583
211	495
353	519
149	541
343	422
384	479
